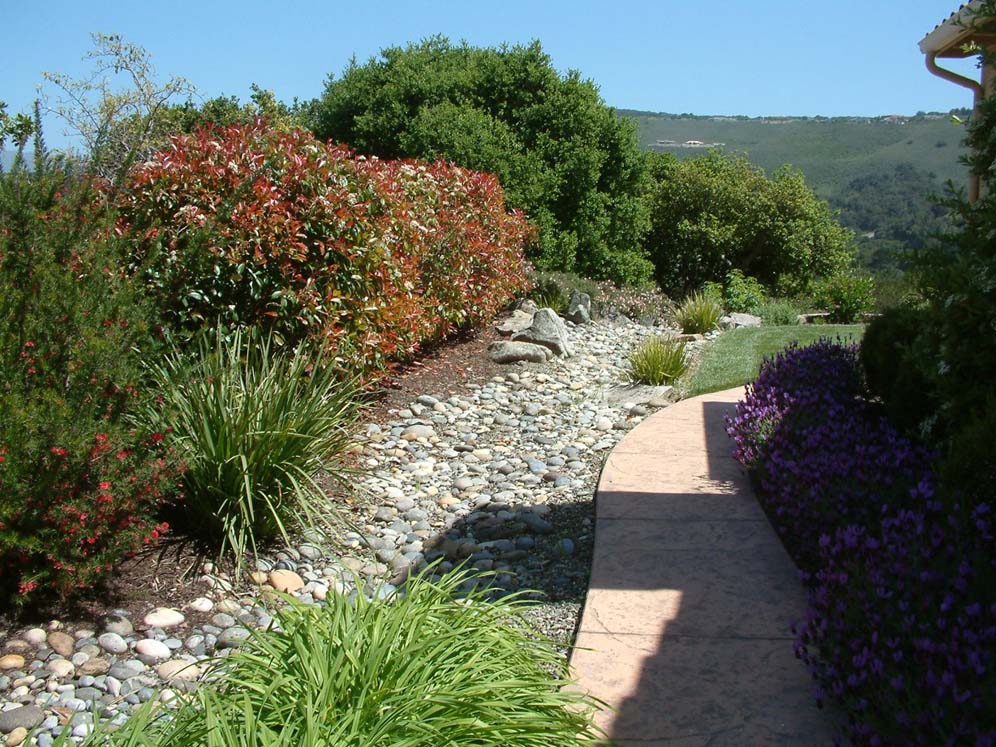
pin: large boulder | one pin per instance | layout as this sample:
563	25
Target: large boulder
547	330
512	352
579	308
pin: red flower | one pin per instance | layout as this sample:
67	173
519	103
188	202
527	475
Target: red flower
59	451
105	485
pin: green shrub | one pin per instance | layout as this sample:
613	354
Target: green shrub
778	312
845	296
714	292
252	425
419	669
893	358
79	488
560	153
717	213
743	293
698	314
658	360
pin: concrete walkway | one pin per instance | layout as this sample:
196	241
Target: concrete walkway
685	632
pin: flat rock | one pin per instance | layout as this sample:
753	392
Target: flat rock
26	717
518	321
547	330
745	320
285	581
94	667
17	736
513	352
636	394
164	617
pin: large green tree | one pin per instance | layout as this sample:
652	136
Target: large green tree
718	213
561	154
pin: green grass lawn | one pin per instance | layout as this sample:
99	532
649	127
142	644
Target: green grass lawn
735	357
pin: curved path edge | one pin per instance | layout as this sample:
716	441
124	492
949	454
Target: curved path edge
685	631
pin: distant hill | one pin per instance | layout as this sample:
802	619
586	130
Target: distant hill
877	170
831	152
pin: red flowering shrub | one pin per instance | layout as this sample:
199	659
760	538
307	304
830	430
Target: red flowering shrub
371	258
78	488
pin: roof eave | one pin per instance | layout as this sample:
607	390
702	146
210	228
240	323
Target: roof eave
947	39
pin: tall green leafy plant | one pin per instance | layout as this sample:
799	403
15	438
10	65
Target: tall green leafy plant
253	425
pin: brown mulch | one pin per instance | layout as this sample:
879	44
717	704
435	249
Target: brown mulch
444	370
166	573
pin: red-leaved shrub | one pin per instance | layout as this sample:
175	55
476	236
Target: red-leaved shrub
371	258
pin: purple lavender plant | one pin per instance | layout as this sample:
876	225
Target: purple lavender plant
901	621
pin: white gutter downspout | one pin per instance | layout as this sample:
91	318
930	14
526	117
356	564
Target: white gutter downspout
977	89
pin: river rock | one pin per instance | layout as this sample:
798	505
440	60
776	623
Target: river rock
62	643
61	667
11	661
178	670
285	581
164	617
26	717
151	650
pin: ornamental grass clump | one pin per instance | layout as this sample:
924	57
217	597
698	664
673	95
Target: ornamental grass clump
900	627
418	669
658	360
252	425
698	314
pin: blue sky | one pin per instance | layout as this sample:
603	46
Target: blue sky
754	57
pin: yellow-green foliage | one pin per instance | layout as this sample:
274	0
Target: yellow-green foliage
658	360
698	314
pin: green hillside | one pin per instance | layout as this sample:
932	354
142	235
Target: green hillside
831	152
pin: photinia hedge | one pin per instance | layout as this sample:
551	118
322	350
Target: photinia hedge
901	621
369	258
